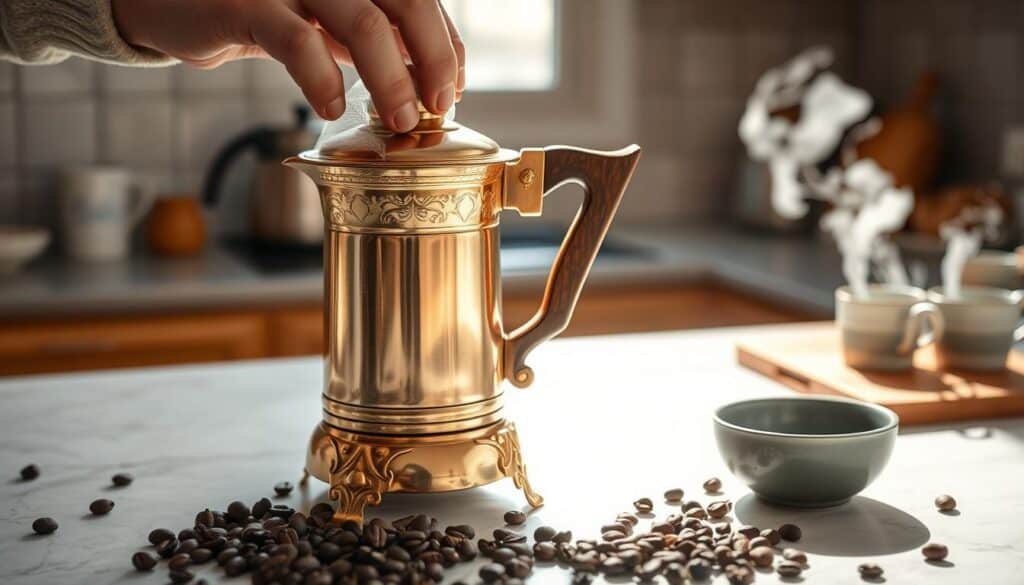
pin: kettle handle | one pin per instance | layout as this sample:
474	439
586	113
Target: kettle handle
262	139
603	176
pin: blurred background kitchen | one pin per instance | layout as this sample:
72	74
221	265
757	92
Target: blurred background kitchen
695	243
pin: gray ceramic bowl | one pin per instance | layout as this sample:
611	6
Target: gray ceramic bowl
805	452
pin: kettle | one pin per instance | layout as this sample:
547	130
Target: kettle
416	349
284	206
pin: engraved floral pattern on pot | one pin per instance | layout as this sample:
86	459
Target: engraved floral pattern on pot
347	208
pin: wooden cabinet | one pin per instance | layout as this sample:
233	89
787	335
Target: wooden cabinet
122	342
118	341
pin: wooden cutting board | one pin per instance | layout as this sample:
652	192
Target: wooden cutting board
808	359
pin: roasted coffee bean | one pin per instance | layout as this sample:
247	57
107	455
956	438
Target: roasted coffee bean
179	562
699	513
562	536
945	503
718	510
323	511
167	548
143	561
649	570
467	550
159	535
789	569
374	535
673	495
739	575
187	546
762	556
797	556
627	518
643	505
934	551
29	472
771	535
461	530
226	555
514	518
236	566
283	488
237	512
122	479
544	533
613	566
504	536
492	572
181	576
201	555
713	485
517	568
870	571
260	508
545	551
503	555
101	507
205	518
699	569
790	532
759	541
748	531
281	511
676	574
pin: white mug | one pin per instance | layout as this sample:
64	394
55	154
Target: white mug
981	326
882	330
99	206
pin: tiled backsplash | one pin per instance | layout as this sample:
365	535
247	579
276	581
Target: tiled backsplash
163	123
697	61
701	59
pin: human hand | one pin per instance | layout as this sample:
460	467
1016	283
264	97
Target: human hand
380	38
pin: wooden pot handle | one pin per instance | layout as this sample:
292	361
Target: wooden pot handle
603	176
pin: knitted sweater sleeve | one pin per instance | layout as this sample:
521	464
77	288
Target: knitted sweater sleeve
49	31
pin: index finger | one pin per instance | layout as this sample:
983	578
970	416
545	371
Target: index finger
366	31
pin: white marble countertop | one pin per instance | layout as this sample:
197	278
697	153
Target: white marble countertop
608	420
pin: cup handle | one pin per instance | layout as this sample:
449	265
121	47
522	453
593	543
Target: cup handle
1018	333
603	176
142	201
913	337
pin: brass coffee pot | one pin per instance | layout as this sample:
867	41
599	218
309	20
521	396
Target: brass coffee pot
416	351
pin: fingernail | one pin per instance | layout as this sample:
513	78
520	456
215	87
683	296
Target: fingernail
406	117
335	108
445	98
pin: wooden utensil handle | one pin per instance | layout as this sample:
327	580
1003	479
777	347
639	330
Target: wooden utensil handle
603	176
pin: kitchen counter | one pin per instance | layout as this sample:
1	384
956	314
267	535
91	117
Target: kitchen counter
201	436
798	272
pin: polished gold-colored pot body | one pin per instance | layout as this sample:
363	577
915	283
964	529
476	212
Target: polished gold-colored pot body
412	315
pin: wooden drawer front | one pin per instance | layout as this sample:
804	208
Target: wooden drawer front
115	343
297	332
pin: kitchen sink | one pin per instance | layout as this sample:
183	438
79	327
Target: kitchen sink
522	249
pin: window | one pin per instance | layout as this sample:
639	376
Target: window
510	45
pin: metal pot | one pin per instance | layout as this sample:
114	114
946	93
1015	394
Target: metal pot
284	206
417	352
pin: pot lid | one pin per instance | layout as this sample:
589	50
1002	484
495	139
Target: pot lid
435	141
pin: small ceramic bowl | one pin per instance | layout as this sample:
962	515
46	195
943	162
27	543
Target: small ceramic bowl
807	452
19	244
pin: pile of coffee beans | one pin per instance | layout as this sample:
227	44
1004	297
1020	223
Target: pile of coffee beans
277	544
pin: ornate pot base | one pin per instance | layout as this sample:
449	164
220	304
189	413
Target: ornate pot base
361	467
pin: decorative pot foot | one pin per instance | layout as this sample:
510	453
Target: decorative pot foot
361	468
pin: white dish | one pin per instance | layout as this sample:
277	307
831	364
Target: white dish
19	244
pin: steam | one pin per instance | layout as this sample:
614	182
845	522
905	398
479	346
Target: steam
866	205
964	235
827	107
